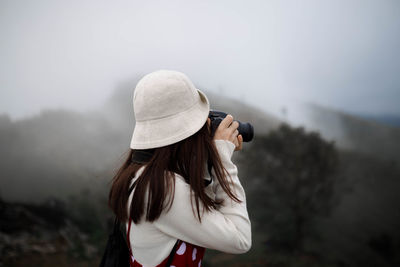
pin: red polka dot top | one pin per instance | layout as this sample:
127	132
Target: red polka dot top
186	255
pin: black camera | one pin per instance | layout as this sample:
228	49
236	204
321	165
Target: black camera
245	129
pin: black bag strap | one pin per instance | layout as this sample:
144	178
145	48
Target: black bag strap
131	188
172	254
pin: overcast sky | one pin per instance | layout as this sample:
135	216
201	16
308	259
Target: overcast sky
343	54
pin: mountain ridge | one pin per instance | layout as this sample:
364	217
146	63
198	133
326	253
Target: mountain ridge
60	151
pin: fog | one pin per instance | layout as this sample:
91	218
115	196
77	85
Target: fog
270	54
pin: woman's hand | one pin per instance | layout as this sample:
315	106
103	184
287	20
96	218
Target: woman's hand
227	130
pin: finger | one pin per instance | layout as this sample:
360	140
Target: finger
226	121
235	142
240	140
233	136
233	127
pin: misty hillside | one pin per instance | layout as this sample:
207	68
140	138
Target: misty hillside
55	153
71	157
59	151
358	224
354	133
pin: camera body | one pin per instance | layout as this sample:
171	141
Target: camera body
245	129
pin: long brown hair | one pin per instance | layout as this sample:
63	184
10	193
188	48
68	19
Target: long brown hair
187	158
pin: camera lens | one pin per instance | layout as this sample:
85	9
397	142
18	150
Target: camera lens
245	129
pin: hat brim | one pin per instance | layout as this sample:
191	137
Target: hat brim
169	130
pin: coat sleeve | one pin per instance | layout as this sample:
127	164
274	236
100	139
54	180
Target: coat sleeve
226	229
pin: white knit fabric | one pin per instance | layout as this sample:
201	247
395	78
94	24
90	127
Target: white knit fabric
168	108
227	229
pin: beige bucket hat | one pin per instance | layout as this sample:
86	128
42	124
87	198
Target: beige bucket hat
168	108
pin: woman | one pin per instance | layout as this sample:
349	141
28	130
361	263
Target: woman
186	193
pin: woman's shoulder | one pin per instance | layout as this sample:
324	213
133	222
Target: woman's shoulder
182	190
179	179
